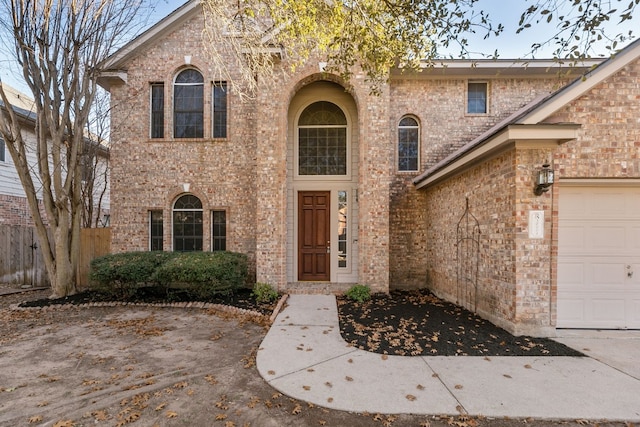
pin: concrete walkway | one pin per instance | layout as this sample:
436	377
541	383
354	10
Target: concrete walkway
303	356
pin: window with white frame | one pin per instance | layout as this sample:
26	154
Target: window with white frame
187	224
188	105
477	97
408	144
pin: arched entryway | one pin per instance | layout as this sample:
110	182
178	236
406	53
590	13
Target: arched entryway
322	201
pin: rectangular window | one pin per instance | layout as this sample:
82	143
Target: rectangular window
157	110
155	230
2	155
219	109
477	98
342	229
219	230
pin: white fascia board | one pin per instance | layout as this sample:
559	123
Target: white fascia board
531	136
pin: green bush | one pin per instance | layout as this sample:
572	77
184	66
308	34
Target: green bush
264	292
360	293
122	274
205	274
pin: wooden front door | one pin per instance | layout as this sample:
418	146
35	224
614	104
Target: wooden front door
314	235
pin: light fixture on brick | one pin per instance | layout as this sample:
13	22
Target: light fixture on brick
544	179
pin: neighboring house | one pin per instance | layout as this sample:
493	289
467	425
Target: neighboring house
20	261
428	184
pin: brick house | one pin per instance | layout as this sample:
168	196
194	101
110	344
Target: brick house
428	184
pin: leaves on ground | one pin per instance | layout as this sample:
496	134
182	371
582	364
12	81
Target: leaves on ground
417	323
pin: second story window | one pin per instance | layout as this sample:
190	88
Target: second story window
157	110
188	105
408	144
219	110
477	98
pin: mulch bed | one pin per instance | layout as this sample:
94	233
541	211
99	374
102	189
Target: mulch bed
416	323
242	298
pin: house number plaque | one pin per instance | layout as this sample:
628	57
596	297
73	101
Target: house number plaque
536	224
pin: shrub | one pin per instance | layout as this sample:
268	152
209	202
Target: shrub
264	292
205	274
120	275
360	293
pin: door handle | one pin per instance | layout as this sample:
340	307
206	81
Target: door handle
328	247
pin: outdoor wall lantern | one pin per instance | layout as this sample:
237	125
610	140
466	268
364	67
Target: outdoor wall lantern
544	179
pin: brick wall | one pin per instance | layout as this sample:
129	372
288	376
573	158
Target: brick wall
439	105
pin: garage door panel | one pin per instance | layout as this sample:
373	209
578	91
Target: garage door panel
605	275
572	274
598	246
607	238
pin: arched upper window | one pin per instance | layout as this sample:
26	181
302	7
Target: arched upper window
187	224
188	105
408	144
322	140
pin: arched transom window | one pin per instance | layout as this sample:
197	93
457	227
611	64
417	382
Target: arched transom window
322	140
187	224
408	144
188	105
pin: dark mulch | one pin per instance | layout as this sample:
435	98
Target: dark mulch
242	298
416	323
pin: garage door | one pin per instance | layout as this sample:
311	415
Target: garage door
599	257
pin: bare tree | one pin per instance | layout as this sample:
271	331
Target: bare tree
59	44
94	163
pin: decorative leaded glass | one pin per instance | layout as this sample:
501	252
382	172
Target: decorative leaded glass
408	144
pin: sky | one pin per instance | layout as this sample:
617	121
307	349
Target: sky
509	45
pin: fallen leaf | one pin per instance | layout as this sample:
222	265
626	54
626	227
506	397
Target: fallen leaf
507	376
271	372
297	409
420	387
306	387
64	423
221	417
528	367
330	399
182	384
328	384
171	414
350	360
411	397
459	387
211	379
44	403
100	415
35	419
348	378
161	406
384	357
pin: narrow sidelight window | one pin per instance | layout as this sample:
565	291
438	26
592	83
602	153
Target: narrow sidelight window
2	151
219	109
157	110
342	229
219	230
408	144
155	230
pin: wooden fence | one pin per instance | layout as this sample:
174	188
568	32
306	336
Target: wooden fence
21	262
94	242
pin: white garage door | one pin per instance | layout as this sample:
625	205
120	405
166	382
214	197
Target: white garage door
599	257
